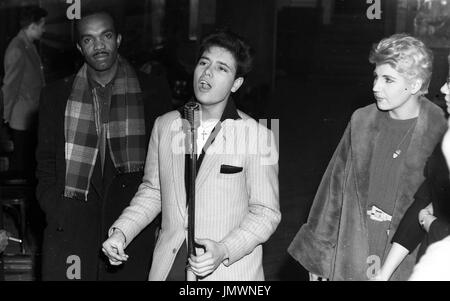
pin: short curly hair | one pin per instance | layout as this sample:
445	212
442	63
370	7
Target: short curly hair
407	55
239	48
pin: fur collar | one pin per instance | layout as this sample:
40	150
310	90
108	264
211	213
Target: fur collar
428	131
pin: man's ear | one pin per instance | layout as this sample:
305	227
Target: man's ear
237	84
79	48
30	26
416	85
119	40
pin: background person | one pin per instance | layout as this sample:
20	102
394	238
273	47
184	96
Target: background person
93	135
22	84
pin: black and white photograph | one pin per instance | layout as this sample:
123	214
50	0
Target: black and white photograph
237	144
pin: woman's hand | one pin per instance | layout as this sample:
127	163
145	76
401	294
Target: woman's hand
426	217
380	276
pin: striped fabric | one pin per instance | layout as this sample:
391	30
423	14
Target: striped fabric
240	210
125	131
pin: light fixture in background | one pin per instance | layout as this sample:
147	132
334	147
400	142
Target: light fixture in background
158	12
193	19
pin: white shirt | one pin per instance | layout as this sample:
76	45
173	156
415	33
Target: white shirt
203	132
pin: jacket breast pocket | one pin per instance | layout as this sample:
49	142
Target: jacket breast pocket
230	171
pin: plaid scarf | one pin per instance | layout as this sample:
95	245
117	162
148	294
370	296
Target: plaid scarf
125	130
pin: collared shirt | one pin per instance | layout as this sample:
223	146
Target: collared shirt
101	96
203	132
229	112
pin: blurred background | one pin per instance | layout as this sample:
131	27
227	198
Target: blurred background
311	72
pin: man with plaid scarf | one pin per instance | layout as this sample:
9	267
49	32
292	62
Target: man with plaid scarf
93	135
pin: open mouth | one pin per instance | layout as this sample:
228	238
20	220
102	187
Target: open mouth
204	85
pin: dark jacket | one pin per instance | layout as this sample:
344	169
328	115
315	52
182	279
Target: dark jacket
22	83
79	228
435	189
334	241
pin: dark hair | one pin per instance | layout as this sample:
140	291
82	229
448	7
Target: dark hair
31	14
239	48
92	12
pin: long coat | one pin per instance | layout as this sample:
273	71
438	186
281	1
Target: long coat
22	83
77	227
334	241
239	209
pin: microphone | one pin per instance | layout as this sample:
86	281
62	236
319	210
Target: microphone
192	115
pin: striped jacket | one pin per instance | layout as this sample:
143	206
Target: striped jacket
239	209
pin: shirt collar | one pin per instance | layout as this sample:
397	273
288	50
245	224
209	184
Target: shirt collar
94	84
230	111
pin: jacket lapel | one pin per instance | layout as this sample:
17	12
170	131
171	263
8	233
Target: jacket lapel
33	55
364	131
211	158
227	126
178	161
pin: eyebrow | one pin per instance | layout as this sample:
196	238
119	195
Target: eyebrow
220	62
101	33
385	76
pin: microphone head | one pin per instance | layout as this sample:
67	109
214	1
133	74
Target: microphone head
192	114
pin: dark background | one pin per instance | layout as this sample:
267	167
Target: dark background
311	72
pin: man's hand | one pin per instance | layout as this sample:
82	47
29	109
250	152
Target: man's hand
206	263
114	246
3	240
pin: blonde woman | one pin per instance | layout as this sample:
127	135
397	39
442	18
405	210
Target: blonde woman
376	169
428	218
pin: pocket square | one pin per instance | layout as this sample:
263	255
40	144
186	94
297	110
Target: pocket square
229	169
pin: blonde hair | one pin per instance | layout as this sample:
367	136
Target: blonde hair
409	56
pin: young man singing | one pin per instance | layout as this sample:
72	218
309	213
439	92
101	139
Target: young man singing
237	200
